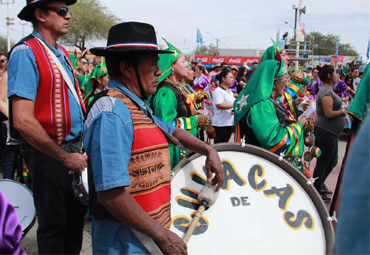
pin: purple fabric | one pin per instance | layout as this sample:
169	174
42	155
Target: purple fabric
234	87
341	89
10	228
201	82
313	88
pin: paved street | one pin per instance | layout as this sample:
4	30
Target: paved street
29	245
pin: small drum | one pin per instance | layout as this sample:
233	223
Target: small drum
80	187
22	200
265	206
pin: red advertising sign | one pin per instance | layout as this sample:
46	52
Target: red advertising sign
250	60
217	59
340	59
203	59
235	61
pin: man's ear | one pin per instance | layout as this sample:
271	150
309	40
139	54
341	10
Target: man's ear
39	14
126	69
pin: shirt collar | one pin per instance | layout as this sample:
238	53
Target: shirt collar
57	51
114	84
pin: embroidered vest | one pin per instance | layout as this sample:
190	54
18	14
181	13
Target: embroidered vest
52	100
149	167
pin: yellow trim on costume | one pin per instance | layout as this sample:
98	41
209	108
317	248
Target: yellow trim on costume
295	88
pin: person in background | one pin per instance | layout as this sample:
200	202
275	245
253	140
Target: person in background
216	69
315	84
201	81
262	121
92	65
242	78
254	66
194	63
3	64
223	99
308	73
341	89
350	88
356	77
99	79
85	65
329	124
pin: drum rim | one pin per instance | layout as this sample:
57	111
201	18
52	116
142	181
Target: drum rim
283	164
24	231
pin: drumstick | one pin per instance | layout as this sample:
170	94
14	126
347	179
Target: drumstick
207	197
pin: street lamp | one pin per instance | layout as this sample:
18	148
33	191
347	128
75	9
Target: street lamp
216	42
291	27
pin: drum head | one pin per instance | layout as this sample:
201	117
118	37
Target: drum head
22	200
85	182
264	207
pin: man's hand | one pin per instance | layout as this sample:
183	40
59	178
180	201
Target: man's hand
172	244
213	165
213	162
306	105
75	161
299	100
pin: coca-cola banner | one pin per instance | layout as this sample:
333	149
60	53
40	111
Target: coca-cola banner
235	61
250	60
218	59
203	59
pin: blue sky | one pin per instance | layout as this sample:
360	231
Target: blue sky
237	23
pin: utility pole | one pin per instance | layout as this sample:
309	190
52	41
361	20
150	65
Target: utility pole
297	47
8	19
218	54
23	24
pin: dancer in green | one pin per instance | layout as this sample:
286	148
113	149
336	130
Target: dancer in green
261	120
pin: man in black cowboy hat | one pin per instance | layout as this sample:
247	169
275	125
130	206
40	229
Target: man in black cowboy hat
47	110
130	178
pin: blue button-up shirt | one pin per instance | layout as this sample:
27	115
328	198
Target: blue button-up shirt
23	80
108	141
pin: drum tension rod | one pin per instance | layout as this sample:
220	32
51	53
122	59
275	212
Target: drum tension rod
312	180
333	218
242	141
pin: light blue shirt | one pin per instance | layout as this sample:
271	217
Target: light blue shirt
108	141
23	80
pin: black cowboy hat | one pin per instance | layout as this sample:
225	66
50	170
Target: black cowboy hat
129	37
27	12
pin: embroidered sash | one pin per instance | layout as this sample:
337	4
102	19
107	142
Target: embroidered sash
149	167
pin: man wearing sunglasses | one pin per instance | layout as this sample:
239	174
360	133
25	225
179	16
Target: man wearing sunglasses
47	111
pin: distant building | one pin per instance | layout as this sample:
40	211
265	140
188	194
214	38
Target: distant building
241	52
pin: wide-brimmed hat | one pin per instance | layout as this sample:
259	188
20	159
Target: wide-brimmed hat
130	37
27	12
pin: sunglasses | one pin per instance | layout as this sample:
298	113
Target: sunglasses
62	11
84	63
3	60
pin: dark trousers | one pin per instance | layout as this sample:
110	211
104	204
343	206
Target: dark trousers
60	216
223	134
328	143
10	154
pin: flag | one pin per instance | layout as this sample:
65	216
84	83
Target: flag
199	37
304	48
278	34
336	52
368	50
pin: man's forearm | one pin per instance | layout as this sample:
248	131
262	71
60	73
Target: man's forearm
36	136
124	207
191	142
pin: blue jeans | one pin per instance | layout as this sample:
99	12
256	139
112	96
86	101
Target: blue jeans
10	155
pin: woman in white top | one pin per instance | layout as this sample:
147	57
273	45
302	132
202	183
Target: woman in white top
223	99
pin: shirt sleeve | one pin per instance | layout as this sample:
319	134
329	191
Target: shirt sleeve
23	74
110	155
165	105
218	97
264	122
167	127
